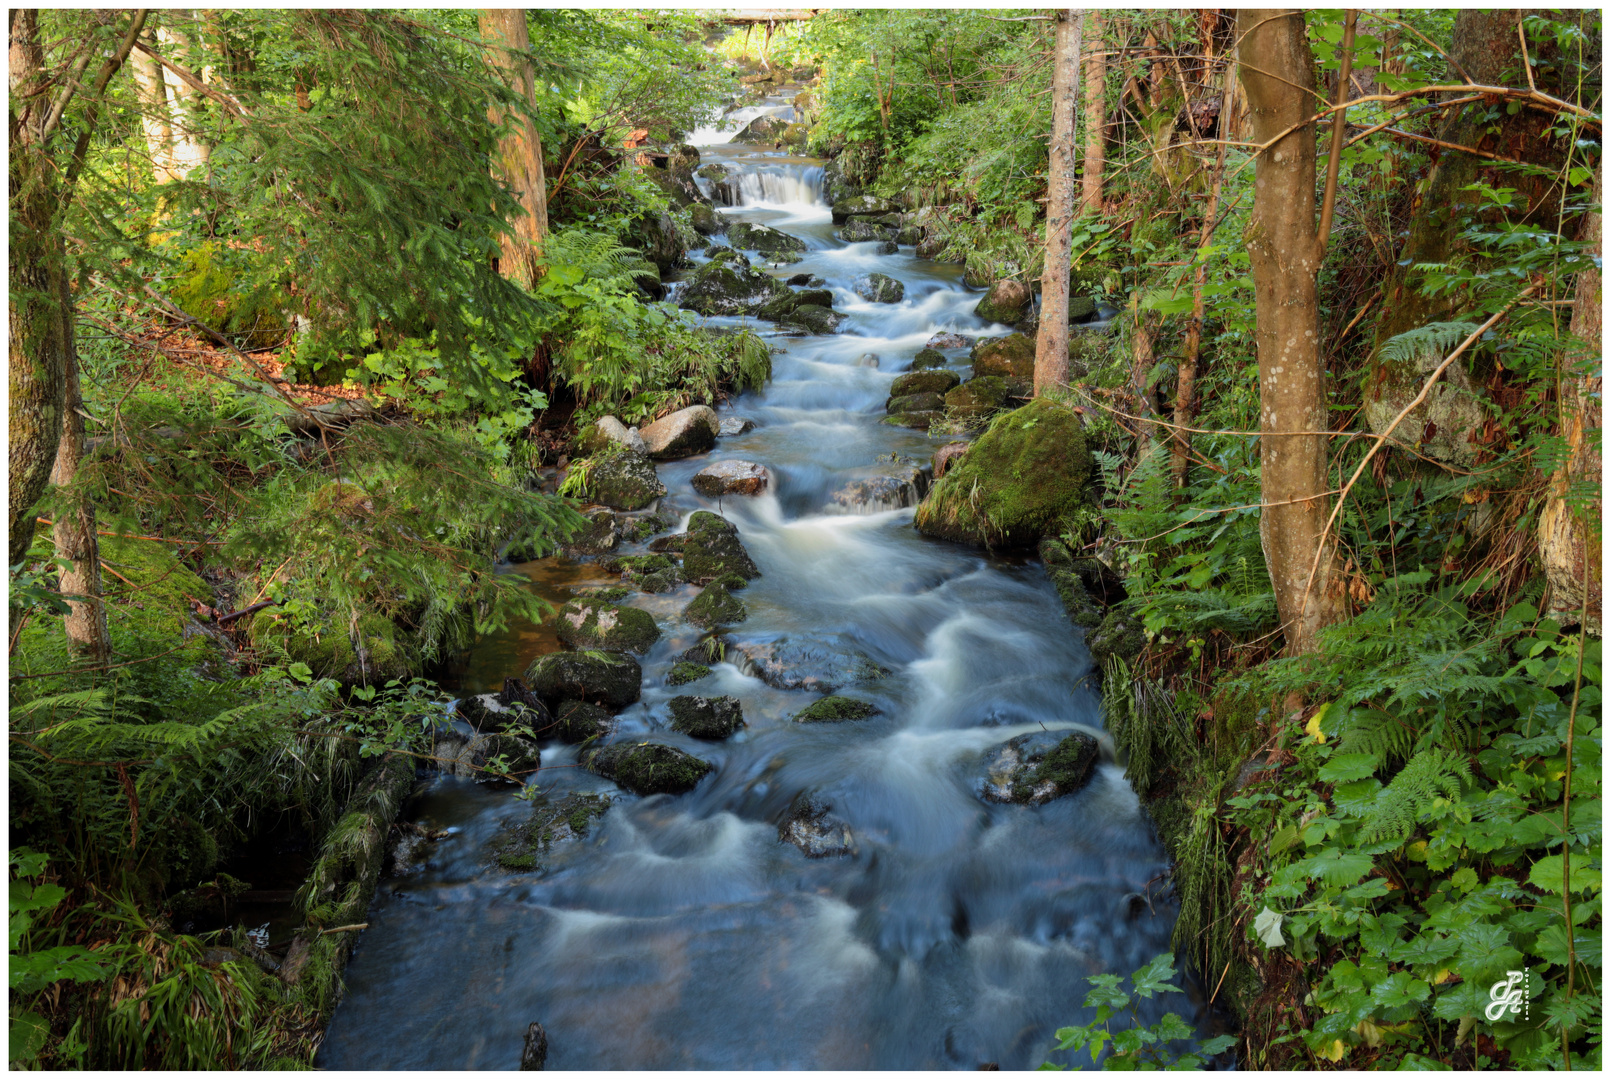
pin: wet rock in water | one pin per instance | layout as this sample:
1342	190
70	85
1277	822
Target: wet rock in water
1020	481
712	548
612	680
856	232
617	432
784	307
625	480
709	650
486	712
946	455
705	220
521	843
916	403
945	339
734	425
814	319
763	129
982	397
802	664
919	421
647	768
714	607
685	671
762	238
878	493
1012	357
684	433
673	543
1041	766
1120	634
861	206
610	594
798	279
651	573
534	1052
909	236
731	478
922	382
928	358
1082	609
578	721
1007	301
1081	309
811	826
867	360
833	709
592	624
475	757
879	288
706	718
595	538
729	285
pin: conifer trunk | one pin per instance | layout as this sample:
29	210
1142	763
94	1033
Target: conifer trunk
1096	78
1051	344
520	151
74	532
1278	77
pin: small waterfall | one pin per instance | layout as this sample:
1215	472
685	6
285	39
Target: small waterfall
781	185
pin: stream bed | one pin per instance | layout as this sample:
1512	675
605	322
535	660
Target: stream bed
679	932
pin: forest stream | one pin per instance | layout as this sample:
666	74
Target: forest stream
680	932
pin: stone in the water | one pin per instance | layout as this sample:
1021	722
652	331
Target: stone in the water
685	671
617	432
856	231
1006	302
877	493
922	382
613	680
928	358
594	538
885	247
682	434
798	279
734	425
578	721
978	398
714	607
728	285
476	757
833	709
706	718
945	455
879	288
1082	607
811	826
648	768
1012	357
919	421
625	480
1039	767
867	360
945	339
814	319
586	623
710	650
916	403
861	206
517	845
712	548
731	478
534	1054
803	664
486	712
763	129
762	238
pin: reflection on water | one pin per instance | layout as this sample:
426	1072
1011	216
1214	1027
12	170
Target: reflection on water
680	933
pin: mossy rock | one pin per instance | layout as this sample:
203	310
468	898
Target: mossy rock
814	319
928	358
163	586
593	624
635	530
1017	483
729	285
706	718
977	398
714	607
1060	564
624	480
731	582
519	845
833	709
762	238
639	565
712	549
1081	309
922	382
705	220
1007	301
607	593
648	768
1065	769
857	230
371	654
1012	356
1119	634
919	421
861	206
685	671
916	403
578	721
613	680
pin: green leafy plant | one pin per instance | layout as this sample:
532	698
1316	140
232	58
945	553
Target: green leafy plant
1138	1046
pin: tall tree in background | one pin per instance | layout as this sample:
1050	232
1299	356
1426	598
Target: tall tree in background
1051	344
520	150
1278	76
1096	78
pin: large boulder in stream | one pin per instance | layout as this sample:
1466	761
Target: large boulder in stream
579	721
932	381
855	206
1006	302
1020	481
648	768
706	718
806	310
879	289
811	826
763	239
1039	767
587	623
655	234
613	680
1011	357
684	433
763	129
731	478
624	479
712	549
729	285
857	230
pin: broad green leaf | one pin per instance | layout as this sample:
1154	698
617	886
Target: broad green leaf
1547	873
1267	925
1349	767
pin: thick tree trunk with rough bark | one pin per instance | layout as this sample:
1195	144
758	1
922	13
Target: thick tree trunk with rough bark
1569	530
74	533
1051	343
1096	78
520	151
1278	78
38	332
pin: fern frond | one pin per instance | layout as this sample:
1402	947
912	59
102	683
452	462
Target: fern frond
1428	774
1428	343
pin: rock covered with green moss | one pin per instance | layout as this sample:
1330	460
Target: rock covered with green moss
371	653
1011	357
685	671
714	607
1119	634
520	845
1039	767
1082	609
706	718
579	721
984	396
1018	482
490	756
586	623
613	680
712	548
834	709
729	285
921	382
1007	301
648	768
763	239
623	479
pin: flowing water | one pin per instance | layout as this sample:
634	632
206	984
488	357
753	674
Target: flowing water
680	933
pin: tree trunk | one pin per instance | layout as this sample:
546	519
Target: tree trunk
74	532
1051	344
1568	536
38	332
190	150
154	114
520	151
1278	76
1096	79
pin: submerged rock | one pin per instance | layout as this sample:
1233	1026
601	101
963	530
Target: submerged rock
648	768
613	680
1020	481
1039	767
520	844
762	238
833	709
714	607
1012	357
811	826
1007	301
879	288
625	480
734	425
877	493
731	478
685	671
684	433
945	339
795	664
587	623
706	718
917	420
712	548
916	403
